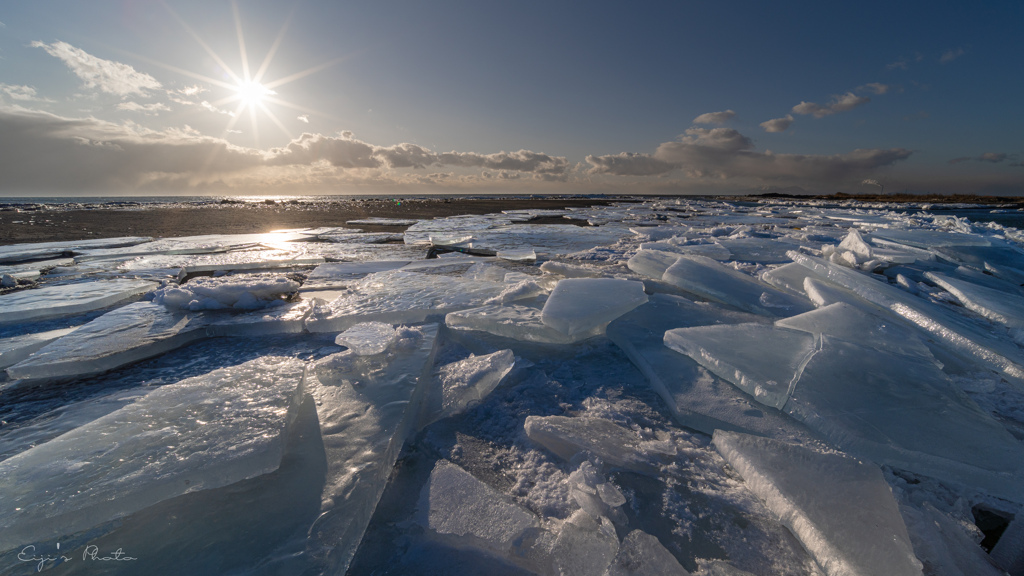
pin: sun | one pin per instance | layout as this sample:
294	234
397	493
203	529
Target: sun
251	93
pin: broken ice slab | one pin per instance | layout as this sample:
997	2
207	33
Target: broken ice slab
616	446
546	238
464	512
518	254
200	433
652	263
789	277
584	546
904	411
579	305
18	348
515	322
641	554
54	301
33	270
841	509
1000	253
38	251
465	383
956	331
760	250
943	544
341	273
451	227
367	405
572	270
205	244
709	279
996	305
242	292
763	361
128	334
926	239
401	297
142	330
367	338
713	251
848	322
696	399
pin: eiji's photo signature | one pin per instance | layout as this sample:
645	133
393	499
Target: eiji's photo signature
90	553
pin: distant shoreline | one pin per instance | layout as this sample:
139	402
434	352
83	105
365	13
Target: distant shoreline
53	219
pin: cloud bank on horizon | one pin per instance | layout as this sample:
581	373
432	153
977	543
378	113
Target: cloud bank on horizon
98	118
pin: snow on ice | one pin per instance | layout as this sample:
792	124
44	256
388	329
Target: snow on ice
675	386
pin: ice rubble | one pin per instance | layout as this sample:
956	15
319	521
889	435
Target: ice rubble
823	330
198	434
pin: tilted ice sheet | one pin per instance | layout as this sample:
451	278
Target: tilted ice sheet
763	361
142	330
641	554
366	405
367	338
652	263
996	305
920	238
68	299
788	277
465	383
760	250
579	305
127	334
954	330
401	297
516	322
18	348
464	512
709	279
200	433
695	398
616	446
840	508
904	411
848	322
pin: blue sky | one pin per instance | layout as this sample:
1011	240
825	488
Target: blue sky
135	97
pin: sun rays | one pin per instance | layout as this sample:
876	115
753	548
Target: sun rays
247	91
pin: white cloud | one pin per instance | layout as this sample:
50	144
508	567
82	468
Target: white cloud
214	109
304	118
154	108
106	75
715	117
22	93
723	153
875	87
839	103
193	90
950	55
778	124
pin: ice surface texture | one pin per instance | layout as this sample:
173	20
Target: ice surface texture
200	433
54	301
366	405
579	305
515	322
840	508
240	293
401	297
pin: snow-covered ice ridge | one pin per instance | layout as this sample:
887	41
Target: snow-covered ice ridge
679	387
